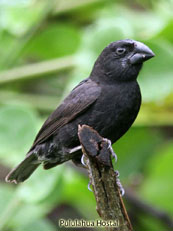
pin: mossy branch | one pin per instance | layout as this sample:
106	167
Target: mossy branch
110	205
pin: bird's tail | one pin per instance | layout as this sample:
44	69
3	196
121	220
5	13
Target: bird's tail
24	169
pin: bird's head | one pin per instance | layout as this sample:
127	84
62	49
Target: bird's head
121	60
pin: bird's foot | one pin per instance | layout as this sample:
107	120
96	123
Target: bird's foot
113	154
75	149
82	160
89	184
122	191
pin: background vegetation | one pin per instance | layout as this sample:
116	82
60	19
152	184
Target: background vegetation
46	48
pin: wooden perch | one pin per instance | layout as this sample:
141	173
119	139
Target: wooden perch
110	206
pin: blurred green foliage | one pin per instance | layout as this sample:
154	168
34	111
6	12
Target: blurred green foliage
33	31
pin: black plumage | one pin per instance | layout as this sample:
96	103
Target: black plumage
108	101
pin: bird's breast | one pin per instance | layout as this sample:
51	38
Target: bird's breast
117	109
120	97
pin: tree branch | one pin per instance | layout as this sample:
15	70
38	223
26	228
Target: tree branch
110	205
36	70
139	205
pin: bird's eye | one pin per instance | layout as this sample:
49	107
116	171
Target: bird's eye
120	50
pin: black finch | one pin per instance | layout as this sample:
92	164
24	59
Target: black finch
108	100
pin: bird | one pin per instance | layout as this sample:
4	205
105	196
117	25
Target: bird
108	100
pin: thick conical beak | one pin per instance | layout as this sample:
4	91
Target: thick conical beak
141	53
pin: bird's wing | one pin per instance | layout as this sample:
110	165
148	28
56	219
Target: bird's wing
80	98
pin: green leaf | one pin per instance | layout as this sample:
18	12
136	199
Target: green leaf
54	41
77	194
38	225
26	214
18	127
17	18
6	41
16	214
166	33
134	149
158	187
156	77
41	184
148	223
6	193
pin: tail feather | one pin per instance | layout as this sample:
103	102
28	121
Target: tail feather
24	169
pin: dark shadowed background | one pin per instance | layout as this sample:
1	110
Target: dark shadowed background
46	48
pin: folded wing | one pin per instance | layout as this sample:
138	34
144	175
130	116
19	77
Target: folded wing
79	100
